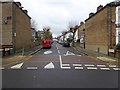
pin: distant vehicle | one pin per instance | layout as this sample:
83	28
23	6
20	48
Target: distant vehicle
66	44
60	42
46	44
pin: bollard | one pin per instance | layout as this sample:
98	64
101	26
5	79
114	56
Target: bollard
98	51
23	51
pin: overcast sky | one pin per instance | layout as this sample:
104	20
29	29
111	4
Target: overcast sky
58	13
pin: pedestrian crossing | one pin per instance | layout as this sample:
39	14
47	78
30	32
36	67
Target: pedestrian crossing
75	66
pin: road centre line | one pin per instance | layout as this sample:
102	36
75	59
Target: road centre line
57	47
60	58
58	52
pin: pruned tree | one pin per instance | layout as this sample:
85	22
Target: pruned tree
73	27
34	24
47	33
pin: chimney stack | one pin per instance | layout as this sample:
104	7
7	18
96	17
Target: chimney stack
99	7
91	14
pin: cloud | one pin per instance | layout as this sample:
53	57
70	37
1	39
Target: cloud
58	13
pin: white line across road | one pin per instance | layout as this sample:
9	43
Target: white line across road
116	69
1	68
32	68
92	68
65	64
112	65
89	65
65	67
105	68
77	68
101	65
77	64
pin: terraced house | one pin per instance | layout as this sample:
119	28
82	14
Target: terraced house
101	28
16	27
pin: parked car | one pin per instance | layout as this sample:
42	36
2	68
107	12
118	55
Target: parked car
46	44
66	44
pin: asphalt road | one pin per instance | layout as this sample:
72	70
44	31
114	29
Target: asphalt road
60	67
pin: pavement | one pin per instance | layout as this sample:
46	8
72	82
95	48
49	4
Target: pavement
18	57
98	56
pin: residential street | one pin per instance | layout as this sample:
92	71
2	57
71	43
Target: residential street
60	67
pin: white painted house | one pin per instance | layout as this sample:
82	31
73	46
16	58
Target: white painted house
118	23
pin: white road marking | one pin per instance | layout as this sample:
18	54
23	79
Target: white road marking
92	68
58	52
101	65
48	52
105	68
32	68
65	67
77	64
57	47
1	68
78	68
18	66
49	66
65	64
60	61
79	55
112	65
69	53
116	69
89	65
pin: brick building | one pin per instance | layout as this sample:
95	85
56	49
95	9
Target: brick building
16	27
100	29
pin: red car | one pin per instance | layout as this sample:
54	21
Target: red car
46	44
